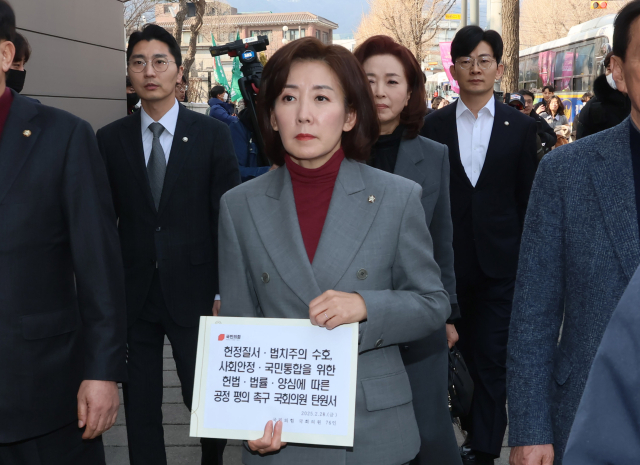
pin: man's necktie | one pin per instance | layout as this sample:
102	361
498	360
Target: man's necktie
157	166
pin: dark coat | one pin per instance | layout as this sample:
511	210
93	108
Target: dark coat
608	108
246	151
62	309
488	218
181	239
605	430
580	248
221	111
546	133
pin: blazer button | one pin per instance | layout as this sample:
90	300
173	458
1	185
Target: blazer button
158	229
378	343
362	274
265	278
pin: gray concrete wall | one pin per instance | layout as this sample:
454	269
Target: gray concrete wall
78	61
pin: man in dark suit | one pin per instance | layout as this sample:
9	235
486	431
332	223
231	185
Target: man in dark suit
492	150
168	168
62	304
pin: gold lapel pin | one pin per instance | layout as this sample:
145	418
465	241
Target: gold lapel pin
372	199
506	123
26	133
185	139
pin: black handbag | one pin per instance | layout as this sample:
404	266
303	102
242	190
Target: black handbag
460	385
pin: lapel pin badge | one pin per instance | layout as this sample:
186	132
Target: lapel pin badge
506	123
372	199
26	133
185	139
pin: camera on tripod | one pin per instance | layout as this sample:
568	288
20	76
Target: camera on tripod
247	52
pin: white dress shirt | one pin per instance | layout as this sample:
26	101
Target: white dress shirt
169	121
474	135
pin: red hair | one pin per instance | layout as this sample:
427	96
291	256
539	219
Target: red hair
413	114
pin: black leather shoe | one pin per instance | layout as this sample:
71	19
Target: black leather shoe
471	457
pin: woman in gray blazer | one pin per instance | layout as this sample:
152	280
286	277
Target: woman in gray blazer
398	88
328	238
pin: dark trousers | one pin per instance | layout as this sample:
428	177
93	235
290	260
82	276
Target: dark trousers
485	307
143	392
63	446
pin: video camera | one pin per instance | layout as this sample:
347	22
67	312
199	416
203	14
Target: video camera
247	51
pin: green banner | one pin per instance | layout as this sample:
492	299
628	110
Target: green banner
221	78
235	76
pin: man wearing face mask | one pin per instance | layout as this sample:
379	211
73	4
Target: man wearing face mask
607	109
17	74
219	108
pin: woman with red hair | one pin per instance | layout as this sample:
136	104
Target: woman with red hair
397	83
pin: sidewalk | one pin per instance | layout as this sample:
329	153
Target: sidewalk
181	449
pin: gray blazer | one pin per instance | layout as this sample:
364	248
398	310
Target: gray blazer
580	247
265	272
427	163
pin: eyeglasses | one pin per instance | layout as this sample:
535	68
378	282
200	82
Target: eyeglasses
181	88
467	62
159	64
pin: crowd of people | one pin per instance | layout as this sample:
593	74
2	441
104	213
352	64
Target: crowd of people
432	229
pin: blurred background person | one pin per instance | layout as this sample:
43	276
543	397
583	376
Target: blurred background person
547	92
586	97
557	120
17	74
608	108
218	106
544	132
398	90
132	98
246	149
435	102
443	103
181	89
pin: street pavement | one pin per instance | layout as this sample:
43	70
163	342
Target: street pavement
181	449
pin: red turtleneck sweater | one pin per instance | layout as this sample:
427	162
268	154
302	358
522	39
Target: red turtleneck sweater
312	190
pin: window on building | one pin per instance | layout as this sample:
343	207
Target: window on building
200	38
260	33
318	35
302	33
325	37
166	9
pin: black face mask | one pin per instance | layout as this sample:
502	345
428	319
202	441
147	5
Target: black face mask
132	100
15	79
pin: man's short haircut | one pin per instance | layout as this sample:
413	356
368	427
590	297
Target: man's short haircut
586	95
358	96
154	32
412	115
7	21
607	59
129	82
622	28
468	38
528	93
23	49
550	88
216	90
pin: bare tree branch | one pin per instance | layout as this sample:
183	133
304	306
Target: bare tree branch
133	11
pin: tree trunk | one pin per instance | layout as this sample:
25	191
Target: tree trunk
195	32
180	16
511	39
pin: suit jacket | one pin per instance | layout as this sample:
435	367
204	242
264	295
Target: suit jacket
580	248
605	430
62	314
488	218
181	238
388	243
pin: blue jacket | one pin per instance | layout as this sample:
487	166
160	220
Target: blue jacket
221	111
580	248
606	426
246	152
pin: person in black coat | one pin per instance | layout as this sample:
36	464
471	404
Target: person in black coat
62	304
608	108
547	135
168	167
492	149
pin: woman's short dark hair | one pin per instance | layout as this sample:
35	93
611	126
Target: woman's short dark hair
467	39
436	101
607	59
622	28
216	90
550	88
154	32
560	110
586	95
23	49
7	21
412	116
528	93
358	97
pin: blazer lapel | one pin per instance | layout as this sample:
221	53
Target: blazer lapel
274	215
347	224
15	146
612	176
179	151
409	156
499	133
132	146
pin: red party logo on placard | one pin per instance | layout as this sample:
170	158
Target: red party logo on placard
221	337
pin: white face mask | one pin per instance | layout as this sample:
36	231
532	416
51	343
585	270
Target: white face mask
225	97
611	82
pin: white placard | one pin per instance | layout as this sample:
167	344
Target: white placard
252	370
